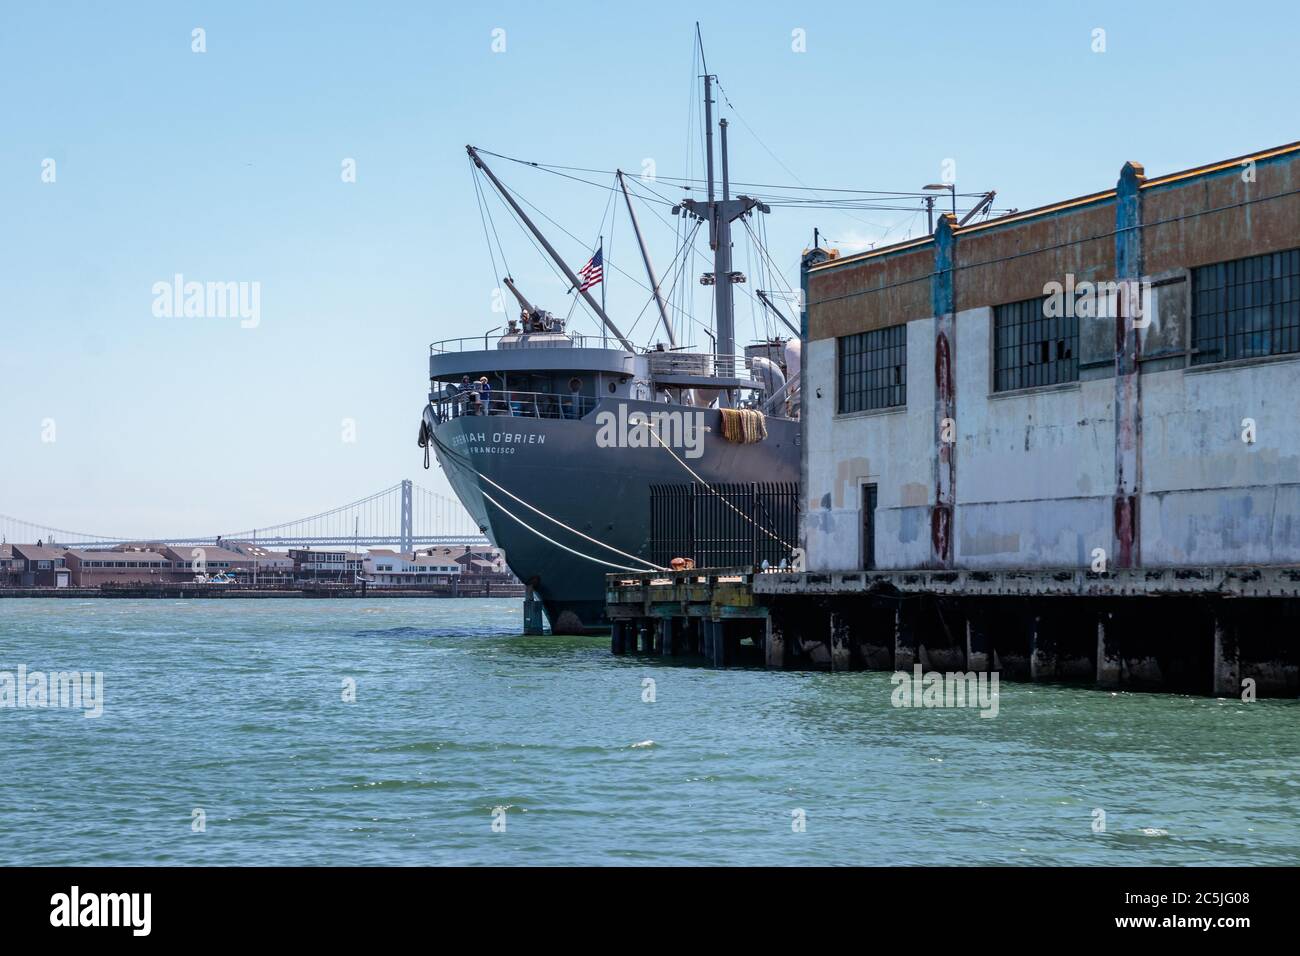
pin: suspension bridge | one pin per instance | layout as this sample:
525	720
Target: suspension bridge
405	516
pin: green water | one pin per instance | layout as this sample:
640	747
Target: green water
236	708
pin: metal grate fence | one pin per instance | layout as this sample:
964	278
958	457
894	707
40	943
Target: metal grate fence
725	525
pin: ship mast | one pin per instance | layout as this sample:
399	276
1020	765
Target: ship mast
719	214
550	250
645	257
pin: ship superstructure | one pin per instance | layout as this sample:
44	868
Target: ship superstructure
552	439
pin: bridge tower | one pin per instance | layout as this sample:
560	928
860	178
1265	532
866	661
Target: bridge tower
407	545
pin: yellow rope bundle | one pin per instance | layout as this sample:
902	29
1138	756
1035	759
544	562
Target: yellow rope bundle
743	425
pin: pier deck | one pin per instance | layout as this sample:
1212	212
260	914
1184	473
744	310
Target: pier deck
1222	631
1058	582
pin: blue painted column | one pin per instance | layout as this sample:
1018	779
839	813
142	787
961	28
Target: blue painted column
1127	551
943	294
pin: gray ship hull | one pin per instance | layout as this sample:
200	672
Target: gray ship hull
558	467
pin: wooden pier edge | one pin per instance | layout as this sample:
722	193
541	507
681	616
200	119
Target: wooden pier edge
1215	631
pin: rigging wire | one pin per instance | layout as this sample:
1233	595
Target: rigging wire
608	262
675	269
785	544
528	234
556	171
1064	244
613	220
684	313
610	215
788	290
682	305
483	218
556	168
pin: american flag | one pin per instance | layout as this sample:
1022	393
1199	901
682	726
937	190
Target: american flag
593	272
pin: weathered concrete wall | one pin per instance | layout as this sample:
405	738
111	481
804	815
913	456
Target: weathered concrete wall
891	448
1006	261
1036	470
1221	212
1208	496
871	292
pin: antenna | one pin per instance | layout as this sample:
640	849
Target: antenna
984	203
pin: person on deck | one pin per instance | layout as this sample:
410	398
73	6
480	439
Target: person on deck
574	409
462	399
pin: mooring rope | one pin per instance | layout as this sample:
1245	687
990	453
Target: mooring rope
785	544
466	463
650	565
586	557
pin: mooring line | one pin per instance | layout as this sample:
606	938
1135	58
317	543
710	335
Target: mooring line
650	565
662	444
587	557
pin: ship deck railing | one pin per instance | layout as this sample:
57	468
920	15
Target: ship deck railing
509	403
544	340
665	364
680	363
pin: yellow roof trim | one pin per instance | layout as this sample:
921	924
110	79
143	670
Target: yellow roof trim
1039	211
1222	164
871	253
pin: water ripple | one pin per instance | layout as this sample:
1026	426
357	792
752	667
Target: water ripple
469	744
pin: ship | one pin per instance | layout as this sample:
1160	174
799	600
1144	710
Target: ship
555	440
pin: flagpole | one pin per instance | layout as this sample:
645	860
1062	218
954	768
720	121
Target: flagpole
604	333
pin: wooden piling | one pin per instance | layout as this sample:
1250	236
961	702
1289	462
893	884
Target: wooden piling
840	643
905	646
1227	665
977	644
773	643
1109	663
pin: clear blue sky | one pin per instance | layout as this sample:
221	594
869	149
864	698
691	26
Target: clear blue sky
225	166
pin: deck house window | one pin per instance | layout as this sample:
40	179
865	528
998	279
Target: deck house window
1032	347
872	369
1246	308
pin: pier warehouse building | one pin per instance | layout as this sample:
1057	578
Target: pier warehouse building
1102	389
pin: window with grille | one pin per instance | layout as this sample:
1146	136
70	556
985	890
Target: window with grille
872	369
1246	308
1033	348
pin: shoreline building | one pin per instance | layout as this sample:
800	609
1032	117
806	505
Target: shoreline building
1060	444
208	559
10	570
266	565
337	565
121	566
1103	382
39	565
388	568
